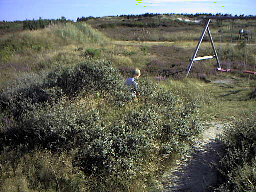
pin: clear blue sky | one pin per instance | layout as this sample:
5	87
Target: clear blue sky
12	10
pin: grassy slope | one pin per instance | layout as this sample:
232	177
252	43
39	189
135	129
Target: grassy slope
46	49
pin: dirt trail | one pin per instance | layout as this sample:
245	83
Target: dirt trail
196	172
133	42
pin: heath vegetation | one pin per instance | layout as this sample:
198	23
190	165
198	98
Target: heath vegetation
68	122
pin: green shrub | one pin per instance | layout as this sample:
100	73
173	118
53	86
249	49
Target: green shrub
90	75
26	95
92	53
117	149
145	49
111	149
238	162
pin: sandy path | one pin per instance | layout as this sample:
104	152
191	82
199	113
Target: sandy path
195	172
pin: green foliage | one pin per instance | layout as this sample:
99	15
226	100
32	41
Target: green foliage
34	25
144	49
140	24
238	162
82	19
92	53
6	27
117	149
121	146
39	171
5	53
90	75
21	43
129	53
26	94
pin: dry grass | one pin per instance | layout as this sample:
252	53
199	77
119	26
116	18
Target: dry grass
45	49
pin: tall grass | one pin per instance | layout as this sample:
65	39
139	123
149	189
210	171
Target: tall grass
80	33
39	170
49	38
44	49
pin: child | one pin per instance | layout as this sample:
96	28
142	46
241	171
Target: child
130	81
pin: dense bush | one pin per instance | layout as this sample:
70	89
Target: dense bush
113	140
140	24
91	76
117	150
25	94
121	146
144	24
238	163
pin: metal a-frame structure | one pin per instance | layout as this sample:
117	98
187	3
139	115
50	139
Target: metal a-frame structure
194	58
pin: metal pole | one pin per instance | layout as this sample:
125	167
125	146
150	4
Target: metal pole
231	42
213	47
197	48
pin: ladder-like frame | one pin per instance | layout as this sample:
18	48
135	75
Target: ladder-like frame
206	28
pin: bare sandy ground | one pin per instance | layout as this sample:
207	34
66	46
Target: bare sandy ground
197	172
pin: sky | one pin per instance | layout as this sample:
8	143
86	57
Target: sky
18	10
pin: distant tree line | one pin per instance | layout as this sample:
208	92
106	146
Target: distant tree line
126	16
84	18
140	16
42	23
148	15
